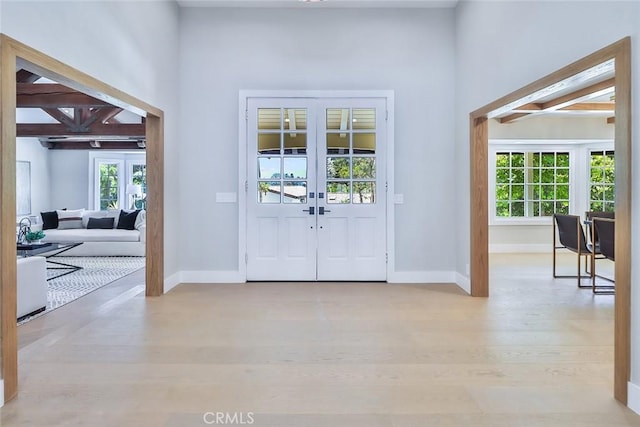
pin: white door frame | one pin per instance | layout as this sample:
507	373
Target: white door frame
243	97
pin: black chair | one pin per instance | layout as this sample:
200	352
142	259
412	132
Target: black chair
571	237
589	215
606	231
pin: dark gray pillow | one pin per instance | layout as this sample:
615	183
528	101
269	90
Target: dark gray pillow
127	220
100	223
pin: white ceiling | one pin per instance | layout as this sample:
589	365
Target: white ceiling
321	4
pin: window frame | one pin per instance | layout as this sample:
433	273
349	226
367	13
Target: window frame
125	163
590	152
579	172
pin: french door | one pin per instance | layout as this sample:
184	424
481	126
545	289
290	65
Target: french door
316	189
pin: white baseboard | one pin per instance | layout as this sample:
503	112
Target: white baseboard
172	281
537	248
422	277
211	277
463	282
633	397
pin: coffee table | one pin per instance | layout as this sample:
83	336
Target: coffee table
50	250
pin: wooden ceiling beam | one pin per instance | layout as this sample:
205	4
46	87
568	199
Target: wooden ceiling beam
53	95
511	117
24	76
529	107
60	116
91	145
590	106
43	130
103	115
565	102
574	97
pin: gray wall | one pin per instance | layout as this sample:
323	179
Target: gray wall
69	179
408	51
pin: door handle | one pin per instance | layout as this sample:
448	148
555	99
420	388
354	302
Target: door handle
322	210
311	210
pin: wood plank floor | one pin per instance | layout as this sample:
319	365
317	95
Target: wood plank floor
538	352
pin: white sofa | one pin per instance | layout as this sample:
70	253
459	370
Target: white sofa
101	242
32	285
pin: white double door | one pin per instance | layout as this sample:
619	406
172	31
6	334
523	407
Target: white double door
316	189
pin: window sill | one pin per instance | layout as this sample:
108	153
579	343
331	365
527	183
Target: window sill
547	220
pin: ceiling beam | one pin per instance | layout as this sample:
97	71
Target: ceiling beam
60	116
563	102
91	145
24	76
574	97
53	95
590	106
43	130
103	115
511	117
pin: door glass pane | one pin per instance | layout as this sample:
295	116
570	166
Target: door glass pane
269	143
364	167
364	118
295	143
269	167
337	143
338	167
269	192
295	167
338	192
295	119
364	143
295	192
269	118
338	119
364	192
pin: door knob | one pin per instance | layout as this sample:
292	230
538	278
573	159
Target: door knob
311	210
322	210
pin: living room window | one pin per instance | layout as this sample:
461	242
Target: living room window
109	184
119	181
602	180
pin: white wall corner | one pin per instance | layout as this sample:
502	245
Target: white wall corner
633	397
422	277
172	281
1	393
463	282
532	248
212	277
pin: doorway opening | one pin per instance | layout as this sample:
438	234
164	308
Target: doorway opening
479	259
17	56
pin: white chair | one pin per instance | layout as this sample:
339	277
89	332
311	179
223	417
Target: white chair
32	285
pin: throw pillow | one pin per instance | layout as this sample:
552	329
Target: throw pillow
100	223
127	220
70	219
49	220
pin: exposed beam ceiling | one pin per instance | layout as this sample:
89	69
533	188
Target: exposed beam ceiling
578	100
117	130
84	122
52	95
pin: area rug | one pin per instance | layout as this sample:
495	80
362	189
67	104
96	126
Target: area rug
95	273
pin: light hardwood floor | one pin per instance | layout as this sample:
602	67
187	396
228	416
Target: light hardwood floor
538	352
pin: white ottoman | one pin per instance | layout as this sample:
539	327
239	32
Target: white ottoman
32	285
